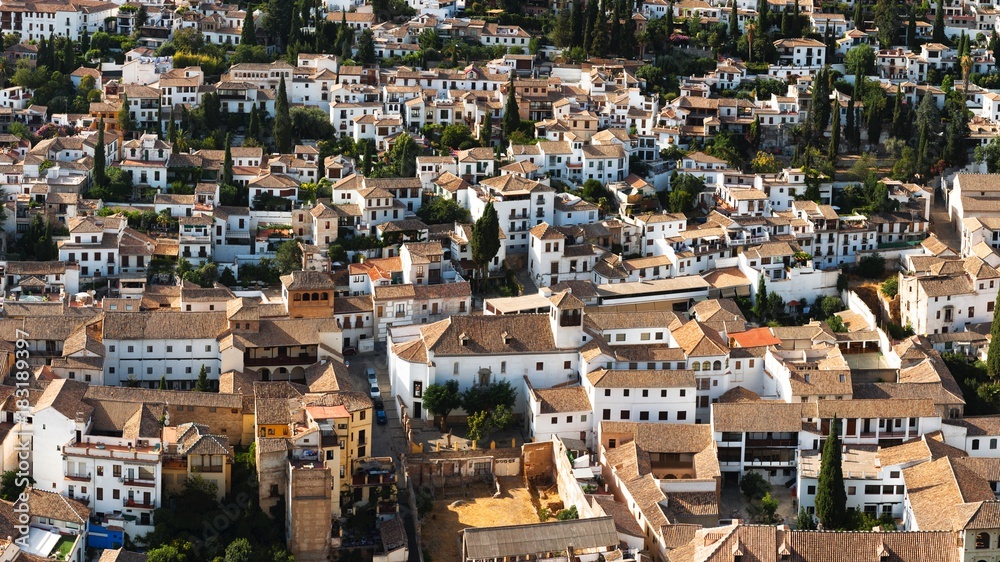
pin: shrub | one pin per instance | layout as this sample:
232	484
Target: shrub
890	287
754	486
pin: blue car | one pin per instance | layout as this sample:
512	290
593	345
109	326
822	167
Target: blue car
380	417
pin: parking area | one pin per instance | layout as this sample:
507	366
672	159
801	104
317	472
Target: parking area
388	439
735	506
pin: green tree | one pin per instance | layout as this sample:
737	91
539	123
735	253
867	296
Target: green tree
404	156
568	514
248	36
68	57
100	178
11	485
831	497
600	42
887	22
166	553
366	47
859	16
760	300
562	35
511	113
993	353
911	30
163	382
227	162
429	40
754	486
805	521
484	423
203	384
289	257
125	122
860	60
442	399
253	129
486	130
753	137
834	147
442	211
485	239
282	121
937	34
990	154
836	324
240	550
579	21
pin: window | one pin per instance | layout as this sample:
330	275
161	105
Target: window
100	494
683	392
539	366
873	489
116	471
643	416
663	393
993	443
682	415
116	494
664	416
566	364
811	490
624	414
852	490
555	420
606	414
975	444
607	392
418	389
625	393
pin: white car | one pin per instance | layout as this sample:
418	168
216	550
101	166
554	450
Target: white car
372	377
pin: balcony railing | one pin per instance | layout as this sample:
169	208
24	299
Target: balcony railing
139	504
144	482
280	360
79	476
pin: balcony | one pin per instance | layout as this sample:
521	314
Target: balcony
78	476
280	360
138	504
141	482
210	469
772	443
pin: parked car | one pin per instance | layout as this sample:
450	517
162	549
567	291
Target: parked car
372	377
349	351
380	417
375	391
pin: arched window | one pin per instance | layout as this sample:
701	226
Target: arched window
982	541
717	365
305	296
696	366
315	296
324	296
705	366
297	297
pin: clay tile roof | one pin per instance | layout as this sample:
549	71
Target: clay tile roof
641	378
738	395
757	337
473	335
55	506
764	415
564	399
698	340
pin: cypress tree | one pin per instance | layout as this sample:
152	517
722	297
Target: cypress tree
850	125
100	179
670	20
859	16
485	242
163	382
249	34
227	162
831	498
993	354
911	31
562	36
68	56
834	147
253	130
486	129
760	301
786	25
588	28
995	49
172	134
43	52
282	121
203	385
295	31
511	115
937	34
734	23
600	36
579	21
369	158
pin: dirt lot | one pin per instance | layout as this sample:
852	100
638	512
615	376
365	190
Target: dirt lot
439	530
